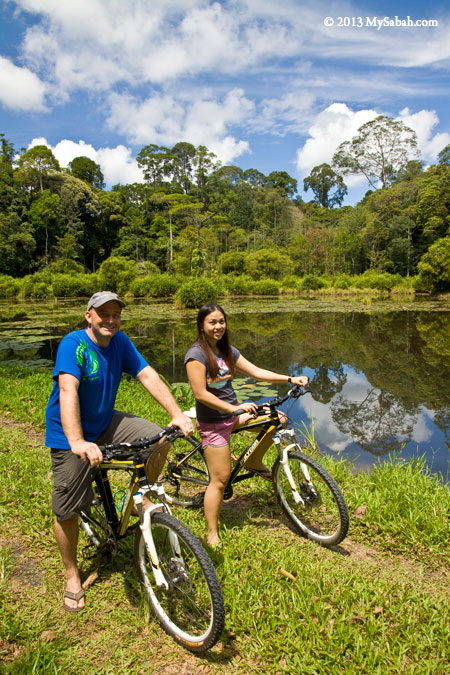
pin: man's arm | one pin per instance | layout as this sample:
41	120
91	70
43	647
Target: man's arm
150	379
69	405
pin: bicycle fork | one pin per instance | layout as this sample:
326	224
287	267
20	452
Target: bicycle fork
283	454
146	529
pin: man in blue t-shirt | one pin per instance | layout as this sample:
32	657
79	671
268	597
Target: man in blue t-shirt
80	416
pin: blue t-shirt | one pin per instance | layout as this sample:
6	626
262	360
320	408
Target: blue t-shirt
99	370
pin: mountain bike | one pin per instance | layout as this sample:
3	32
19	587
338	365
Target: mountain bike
176	575
307	493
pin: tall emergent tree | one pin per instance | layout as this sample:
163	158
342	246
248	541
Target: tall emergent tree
86	169
444	155
381	149
328	186
35	164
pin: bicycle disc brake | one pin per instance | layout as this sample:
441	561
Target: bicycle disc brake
179	575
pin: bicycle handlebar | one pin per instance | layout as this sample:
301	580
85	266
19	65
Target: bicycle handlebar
110	450
295	392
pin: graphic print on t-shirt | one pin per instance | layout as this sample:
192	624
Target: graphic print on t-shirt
88	361
222	377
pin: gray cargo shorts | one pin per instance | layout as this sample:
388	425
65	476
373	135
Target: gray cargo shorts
72	489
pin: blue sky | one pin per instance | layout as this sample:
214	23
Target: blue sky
262	84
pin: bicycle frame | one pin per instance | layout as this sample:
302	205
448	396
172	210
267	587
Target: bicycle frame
270	427
117	527
305	490
271	430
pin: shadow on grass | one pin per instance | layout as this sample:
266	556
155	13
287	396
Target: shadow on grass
261	510
104	567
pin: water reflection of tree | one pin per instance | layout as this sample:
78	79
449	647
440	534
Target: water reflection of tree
327	382
376	422
442	421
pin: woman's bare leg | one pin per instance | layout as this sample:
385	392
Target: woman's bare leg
219	467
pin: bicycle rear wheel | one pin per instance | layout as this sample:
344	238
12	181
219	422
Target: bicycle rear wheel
186	476
191	610
321	514
96	530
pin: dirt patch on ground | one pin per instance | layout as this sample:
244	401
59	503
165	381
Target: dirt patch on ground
38	437
26	572
430	580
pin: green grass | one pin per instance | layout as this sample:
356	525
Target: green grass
379	603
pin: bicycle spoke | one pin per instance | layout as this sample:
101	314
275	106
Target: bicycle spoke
191	608
311	499
186	476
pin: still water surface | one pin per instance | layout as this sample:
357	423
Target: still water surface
379	379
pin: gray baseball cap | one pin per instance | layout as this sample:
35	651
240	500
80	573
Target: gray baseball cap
99	299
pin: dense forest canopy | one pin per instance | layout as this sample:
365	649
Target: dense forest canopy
193	216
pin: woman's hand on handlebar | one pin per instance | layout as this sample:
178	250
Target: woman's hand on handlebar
301	380
247	407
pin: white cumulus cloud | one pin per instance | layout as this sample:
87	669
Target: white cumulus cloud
423	123
117	164
164	120
338	123
20	88
332	126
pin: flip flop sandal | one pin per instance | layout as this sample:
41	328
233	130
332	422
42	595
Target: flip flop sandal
74	596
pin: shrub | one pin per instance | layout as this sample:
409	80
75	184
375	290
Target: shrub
157	286
74	286
312	283
238	285
405	287
147	268
141	287
165	286
434	267
116	274
196	293
382	281
290	283
268	263
36	285
342	281
63	266
181	265
232	261
40	290
9	287
265	287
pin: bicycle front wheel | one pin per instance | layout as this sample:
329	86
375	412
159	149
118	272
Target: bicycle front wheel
313	502
186	476
191	609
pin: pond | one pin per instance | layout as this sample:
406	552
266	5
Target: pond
379	374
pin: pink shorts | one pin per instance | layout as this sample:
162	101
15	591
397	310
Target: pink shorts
216	434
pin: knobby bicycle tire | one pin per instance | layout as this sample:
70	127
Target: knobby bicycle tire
191	610
322	515
186	478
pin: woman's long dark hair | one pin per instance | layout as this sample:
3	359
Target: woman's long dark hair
223	344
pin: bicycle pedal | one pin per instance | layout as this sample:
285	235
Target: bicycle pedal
198	498
90	551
